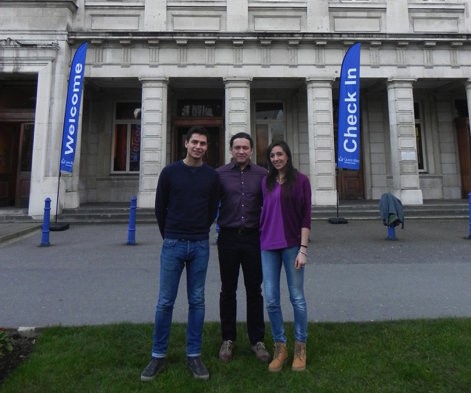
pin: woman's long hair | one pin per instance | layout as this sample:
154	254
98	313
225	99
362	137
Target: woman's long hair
290	170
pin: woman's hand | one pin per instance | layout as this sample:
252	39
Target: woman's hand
301	260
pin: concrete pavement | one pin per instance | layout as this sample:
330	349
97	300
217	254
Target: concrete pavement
90	276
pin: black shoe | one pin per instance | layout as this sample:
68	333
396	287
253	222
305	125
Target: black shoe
198	368
155	366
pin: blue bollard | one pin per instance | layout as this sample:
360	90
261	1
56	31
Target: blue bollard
469	209
391	233
132	222
46	222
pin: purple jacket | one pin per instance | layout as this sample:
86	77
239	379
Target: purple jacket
282	218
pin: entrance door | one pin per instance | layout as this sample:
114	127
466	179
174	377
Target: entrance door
265	134
8	163
215	154
23	181
350	184
16	147
464	148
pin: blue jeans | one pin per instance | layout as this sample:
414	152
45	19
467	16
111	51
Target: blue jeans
174	257
272	260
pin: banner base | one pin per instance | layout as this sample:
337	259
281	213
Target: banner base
338	220
57	227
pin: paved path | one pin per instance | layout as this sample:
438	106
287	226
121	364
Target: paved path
90	276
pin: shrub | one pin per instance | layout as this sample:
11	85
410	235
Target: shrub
5	344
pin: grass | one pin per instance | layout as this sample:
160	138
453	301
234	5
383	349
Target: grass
403	356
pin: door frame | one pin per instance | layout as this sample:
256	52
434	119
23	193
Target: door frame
23	177
177	136
464	152
18	180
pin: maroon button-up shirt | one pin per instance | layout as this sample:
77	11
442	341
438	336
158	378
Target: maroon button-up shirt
241	195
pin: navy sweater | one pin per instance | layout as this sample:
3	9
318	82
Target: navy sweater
186	201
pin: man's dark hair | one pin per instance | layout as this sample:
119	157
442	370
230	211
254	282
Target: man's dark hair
241	135
196	130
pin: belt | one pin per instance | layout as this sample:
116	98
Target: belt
240	231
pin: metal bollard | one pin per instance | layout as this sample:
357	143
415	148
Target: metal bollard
132	222
469	209
391	233
46	222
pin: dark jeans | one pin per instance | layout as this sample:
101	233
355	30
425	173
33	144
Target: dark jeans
175	256
235	250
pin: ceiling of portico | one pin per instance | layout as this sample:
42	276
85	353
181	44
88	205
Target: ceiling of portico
198	83
442	84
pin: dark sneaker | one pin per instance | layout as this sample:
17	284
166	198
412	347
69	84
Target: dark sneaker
155	366
261	352
198	368
226	351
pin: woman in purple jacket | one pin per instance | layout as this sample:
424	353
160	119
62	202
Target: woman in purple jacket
285	224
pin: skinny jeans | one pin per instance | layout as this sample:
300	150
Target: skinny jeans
272	261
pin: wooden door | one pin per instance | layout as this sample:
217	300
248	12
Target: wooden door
215	154
464	149
9	139
350	184
261	142
23	178
16	148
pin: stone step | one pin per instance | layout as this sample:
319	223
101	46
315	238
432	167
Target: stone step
370	210
350	210
362	210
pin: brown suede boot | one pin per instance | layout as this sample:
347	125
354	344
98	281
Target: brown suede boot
299	360
280	356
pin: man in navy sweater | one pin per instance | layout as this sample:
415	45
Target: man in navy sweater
185	206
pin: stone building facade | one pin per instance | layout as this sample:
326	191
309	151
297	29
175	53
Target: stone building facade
270	67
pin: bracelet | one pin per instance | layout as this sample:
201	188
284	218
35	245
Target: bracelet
302	245
303	252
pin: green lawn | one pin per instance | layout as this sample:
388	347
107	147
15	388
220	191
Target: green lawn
404	356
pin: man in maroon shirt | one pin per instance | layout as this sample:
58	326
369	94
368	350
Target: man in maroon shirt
239	245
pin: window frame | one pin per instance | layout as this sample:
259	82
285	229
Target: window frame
420	142
129	123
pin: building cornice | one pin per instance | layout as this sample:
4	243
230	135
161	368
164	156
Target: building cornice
326	38
70	4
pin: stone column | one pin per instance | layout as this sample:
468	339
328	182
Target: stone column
321	141
40	189
153	138
155	15
237	109
318	16
397	16
237	15
404	167
468	96
49	121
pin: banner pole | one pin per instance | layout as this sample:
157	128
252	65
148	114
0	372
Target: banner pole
55	227
337	219
71	119
58	193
